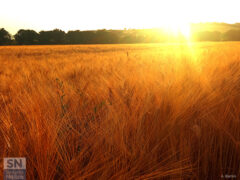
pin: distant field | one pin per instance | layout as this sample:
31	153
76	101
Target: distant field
221	27
156	111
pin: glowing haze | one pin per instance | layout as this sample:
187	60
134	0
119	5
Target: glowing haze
114	14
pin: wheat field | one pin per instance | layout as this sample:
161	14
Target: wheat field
146	111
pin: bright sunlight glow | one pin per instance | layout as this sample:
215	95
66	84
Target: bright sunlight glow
178	28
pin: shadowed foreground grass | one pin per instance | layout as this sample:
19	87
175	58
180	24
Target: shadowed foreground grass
166	111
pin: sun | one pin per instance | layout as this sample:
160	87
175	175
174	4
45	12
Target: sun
178	28
185	30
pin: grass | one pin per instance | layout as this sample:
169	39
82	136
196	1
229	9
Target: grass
159	111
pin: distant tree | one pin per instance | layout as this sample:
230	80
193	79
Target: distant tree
129	36
45	37
74	37
102	37
26	37
88	37
56	36
5	37
232	35
207	36
116	35
94	37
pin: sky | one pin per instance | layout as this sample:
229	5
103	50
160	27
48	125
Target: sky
113	14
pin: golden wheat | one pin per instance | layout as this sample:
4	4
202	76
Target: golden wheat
158	111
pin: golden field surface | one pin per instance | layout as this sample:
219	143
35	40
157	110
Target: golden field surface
156	111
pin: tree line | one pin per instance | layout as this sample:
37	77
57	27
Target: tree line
57	36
